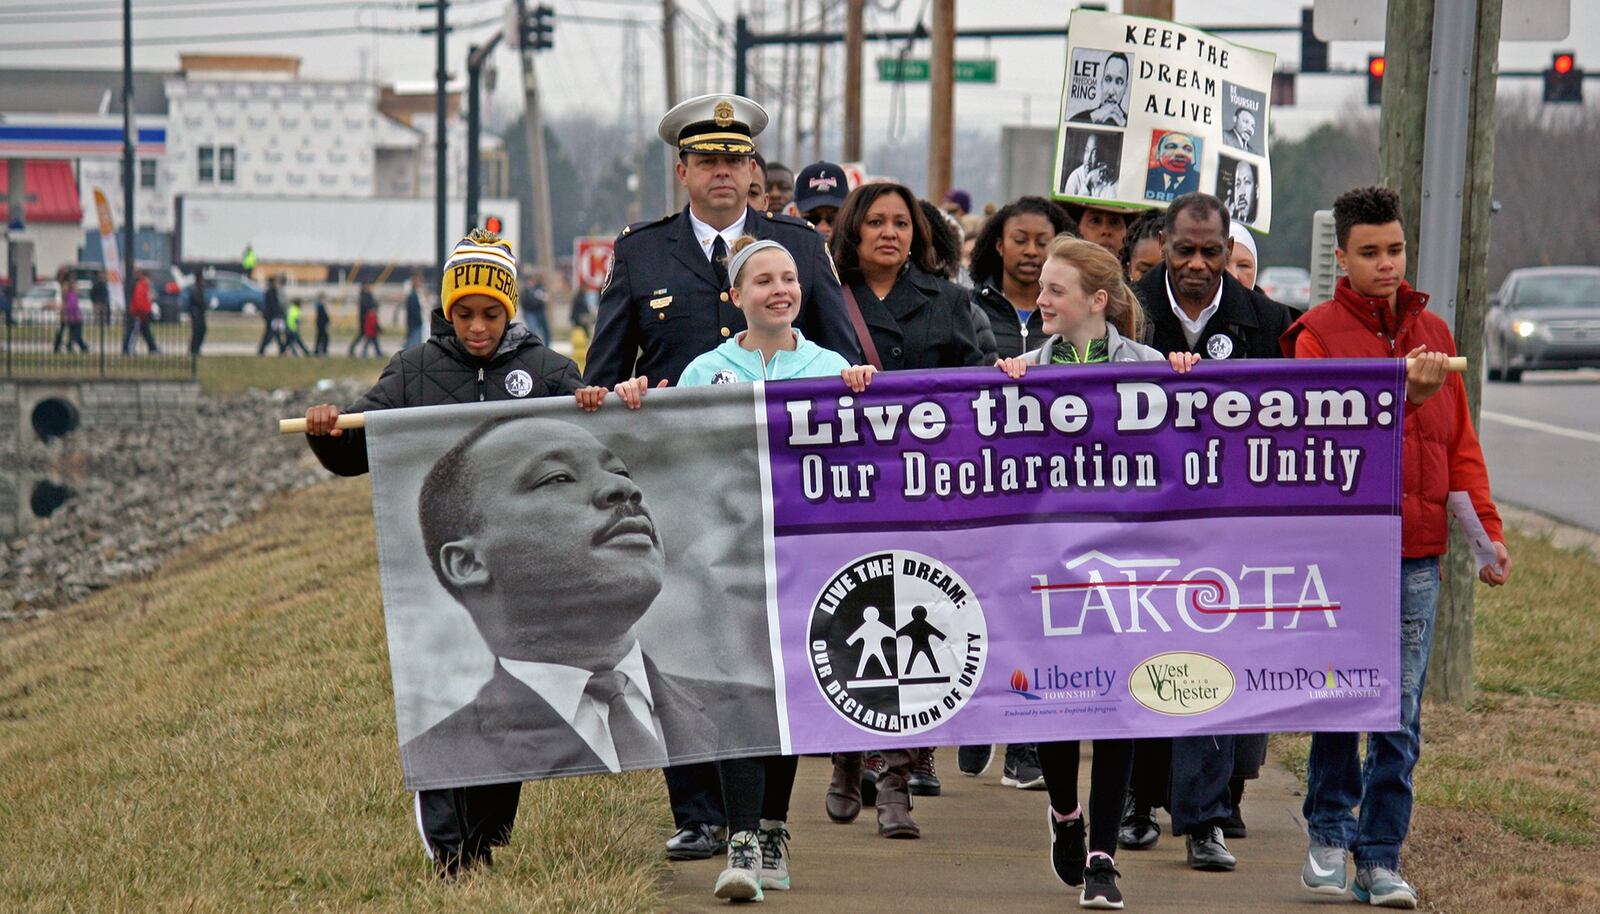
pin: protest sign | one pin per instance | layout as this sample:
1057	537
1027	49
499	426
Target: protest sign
1152	110
948	558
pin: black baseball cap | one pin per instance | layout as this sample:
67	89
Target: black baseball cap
820	184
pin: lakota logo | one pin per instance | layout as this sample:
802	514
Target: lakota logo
897	642
1181	683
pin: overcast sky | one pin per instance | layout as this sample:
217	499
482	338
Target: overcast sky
584	74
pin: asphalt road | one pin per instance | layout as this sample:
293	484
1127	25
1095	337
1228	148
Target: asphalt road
1542	441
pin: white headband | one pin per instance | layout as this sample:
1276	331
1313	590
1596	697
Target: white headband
736	263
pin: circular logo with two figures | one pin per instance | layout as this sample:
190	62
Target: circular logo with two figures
898	642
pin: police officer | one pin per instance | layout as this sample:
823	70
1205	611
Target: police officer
666	300
1194	305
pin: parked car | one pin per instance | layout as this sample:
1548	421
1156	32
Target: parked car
1543	317
227	291
1290	285
40	298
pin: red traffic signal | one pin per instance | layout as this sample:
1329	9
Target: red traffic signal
1563	81
1375	68
493	224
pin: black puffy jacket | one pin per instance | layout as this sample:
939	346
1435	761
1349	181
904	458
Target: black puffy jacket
441	371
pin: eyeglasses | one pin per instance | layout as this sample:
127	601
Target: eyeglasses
820	215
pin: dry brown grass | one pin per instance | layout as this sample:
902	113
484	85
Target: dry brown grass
1507	817
220	737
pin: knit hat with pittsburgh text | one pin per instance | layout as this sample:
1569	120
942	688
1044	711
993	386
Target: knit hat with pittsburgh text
481	264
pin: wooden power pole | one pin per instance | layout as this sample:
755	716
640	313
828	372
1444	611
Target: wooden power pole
854	33
942	92
669	54
1155	9
1436	149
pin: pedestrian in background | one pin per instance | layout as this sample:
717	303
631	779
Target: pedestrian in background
945	236
321	347
271	318
138	318
365	302
819	191
291	330
535	305
413	309
71	315
197	305
370	332
100	298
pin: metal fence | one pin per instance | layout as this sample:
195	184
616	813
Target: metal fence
39	345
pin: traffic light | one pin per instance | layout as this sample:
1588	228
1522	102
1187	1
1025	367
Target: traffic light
1375	69
1563	81
494	224
538	28
1313	50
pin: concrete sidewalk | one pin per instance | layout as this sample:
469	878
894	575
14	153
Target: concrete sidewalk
985	847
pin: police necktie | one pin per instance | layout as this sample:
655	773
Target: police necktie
719	253
636	744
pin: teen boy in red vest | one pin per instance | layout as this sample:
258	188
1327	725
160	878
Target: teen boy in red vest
1375	313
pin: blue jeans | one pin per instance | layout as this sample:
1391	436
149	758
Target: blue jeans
1336	782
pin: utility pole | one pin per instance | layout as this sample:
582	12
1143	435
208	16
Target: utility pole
854	33
1155	9
477	57
816	110
1436	149
669	49
129	262
441	172
942	92
1403	119
538	172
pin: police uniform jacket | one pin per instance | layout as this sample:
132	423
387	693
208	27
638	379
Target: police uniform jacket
925	322
1248	321
662	305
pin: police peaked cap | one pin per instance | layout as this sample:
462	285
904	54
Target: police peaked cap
718	124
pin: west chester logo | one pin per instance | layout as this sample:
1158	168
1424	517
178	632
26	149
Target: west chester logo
1182	683
1105	593
1055	683
897	642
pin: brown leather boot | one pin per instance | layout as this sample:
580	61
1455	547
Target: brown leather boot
894	806
843	801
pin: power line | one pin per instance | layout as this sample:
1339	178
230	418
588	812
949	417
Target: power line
257	9
168	40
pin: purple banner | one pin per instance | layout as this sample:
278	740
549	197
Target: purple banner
1089	552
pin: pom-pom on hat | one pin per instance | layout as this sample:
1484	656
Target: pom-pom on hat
481	264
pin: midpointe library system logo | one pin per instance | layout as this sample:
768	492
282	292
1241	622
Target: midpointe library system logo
897	642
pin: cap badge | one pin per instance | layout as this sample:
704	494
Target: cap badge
723	114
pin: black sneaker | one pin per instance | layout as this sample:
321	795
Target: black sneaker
1100	885
923	782
974	760
1066	848
1233	826
696	841
1139	830
1022	768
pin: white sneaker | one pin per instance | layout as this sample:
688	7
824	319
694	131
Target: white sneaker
741	881
774	840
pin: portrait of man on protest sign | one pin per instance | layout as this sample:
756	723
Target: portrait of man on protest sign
1239	186
1098	87
1243	117
558	617
1091	163
1174	168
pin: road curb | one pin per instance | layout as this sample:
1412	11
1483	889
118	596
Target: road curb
1561	535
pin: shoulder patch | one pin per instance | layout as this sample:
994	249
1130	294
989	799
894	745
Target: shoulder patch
637	227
